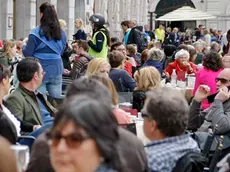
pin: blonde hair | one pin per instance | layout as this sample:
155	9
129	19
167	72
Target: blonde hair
81	21
94	66
8	45
147	78
63	24
110	85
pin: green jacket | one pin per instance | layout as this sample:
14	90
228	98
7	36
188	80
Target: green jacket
104	51
4	60
21	104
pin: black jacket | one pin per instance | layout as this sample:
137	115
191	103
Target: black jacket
7	128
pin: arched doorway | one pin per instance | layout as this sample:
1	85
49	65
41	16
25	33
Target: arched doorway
165	6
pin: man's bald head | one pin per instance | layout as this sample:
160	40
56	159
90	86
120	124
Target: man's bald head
226	61
223	78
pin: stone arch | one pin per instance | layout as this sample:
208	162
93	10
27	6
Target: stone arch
153	5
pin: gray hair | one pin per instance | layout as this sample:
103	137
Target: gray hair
214	45
168	107
199	44
182	53
155	54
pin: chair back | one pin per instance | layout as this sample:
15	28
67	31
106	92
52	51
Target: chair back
130	127
26	140
191	162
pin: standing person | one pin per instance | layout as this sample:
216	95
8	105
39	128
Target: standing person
47	43
207	37
136	36
174	37
126	31
160	33
80	34
226	46
207	75
149	32
99	45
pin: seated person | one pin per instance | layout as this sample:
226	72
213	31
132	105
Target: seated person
165	116
181	63
121	79
130	63
131	51
219	111
155	56
80	63
128	144
11	126
26	102
146	78
98	66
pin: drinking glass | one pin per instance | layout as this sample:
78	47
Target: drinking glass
22	156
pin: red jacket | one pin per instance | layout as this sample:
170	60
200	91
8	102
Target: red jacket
128	68
176	65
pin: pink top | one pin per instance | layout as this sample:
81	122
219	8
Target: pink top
121	116
206	77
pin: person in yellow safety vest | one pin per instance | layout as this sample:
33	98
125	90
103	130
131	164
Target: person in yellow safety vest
160	33
99	45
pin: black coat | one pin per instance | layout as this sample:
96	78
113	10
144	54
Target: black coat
7	128
138	100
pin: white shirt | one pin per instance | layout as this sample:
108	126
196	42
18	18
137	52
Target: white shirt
16	123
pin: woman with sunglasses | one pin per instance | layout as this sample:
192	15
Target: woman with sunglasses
83	137
212	66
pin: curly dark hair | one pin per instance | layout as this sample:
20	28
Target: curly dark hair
212	61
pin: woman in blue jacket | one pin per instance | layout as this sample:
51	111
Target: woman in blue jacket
47	42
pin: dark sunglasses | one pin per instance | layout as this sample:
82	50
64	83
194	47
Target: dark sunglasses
222	80
73	140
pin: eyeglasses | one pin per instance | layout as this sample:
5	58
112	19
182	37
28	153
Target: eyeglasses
144	114
222	80
43	73
73	140
121	49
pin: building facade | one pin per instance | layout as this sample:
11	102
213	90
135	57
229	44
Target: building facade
18	17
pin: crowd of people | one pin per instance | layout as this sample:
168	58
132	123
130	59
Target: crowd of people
67	97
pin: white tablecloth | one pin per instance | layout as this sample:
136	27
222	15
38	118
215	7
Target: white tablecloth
140	132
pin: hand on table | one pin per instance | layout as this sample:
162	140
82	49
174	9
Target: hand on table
202	93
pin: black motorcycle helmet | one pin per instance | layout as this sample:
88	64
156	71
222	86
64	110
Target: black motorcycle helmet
97	19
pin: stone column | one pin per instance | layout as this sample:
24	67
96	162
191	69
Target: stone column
6	23
25	17
65	11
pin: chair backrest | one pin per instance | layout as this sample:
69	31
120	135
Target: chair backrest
26	140
55	102
130	127
191	162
